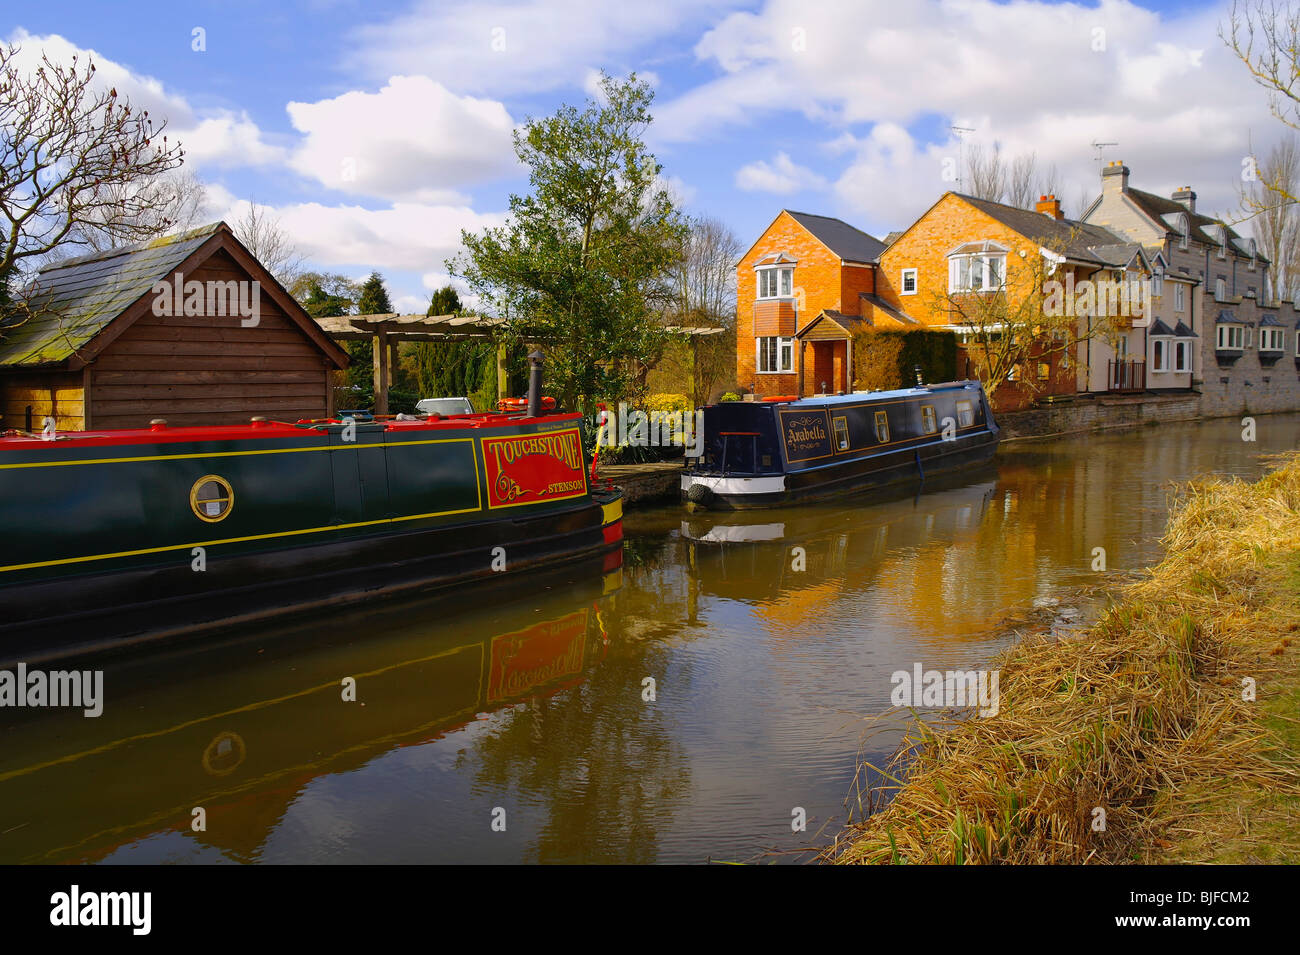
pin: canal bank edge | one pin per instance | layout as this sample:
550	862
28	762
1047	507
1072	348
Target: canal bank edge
1166	732
660	482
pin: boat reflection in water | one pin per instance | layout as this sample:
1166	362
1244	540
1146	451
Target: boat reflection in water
242	730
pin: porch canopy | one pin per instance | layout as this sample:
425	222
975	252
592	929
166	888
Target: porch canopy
388	330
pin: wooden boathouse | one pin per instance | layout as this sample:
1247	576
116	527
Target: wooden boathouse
188	327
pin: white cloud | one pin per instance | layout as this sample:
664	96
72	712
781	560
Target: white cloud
880	82
411	237
781	176
509	46
411	140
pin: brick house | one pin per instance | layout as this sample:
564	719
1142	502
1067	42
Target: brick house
800	293
966	245
1218	287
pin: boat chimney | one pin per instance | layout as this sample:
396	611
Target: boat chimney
535	383
158	424
258	422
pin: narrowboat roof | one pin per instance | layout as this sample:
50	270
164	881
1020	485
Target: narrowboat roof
854	397
262	430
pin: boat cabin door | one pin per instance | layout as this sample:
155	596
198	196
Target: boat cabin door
739	452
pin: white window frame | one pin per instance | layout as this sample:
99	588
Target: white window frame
1223	337
902	282
784	276
780	341
966	412
984	258
1271	334
1184	228
1158	282
1160	355
1180	297
1220	290
1182	356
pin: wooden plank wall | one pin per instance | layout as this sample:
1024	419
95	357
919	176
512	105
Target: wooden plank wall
47	393
209	370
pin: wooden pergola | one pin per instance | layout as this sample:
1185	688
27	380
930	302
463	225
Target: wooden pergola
387	331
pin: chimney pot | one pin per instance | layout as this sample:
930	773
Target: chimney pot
1049	206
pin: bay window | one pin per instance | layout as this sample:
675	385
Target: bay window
1270	339
977	267
1230	337
1160	354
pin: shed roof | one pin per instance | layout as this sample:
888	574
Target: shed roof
73	300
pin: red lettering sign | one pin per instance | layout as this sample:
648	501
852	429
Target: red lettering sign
534	468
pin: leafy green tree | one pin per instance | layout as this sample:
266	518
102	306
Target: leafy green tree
581	264
325	295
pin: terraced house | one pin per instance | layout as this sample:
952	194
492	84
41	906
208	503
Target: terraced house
1245	353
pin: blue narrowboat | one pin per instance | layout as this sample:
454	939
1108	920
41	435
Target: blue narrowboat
784	451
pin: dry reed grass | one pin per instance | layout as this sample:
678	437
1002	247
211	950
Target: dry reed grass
1141	708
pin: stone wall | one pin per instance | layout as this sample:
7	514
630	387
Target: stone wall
1098	414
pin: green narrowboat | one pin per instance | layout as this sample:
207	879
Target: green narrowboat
113	537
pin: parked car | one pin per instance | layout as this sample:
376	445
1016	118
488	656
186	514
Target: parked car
444	406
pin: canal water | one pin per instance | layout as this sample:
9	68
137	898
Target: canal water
683	708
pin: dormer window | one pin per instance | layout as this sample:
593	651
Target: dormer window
1184	229
1223	240
775	282
1158	281
1220	289
1254	253
977	267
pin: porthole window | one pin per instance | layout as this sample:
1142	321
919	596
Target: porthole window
211	498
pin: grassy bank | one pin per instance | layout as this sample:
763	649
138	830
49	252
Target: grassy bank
1141	716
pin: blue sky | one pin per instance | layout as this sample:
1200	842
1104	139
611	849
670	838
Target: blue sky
377	130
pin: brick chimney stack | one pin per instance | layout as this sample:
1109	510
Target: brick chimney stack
1049	206
1186	197
1114	177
